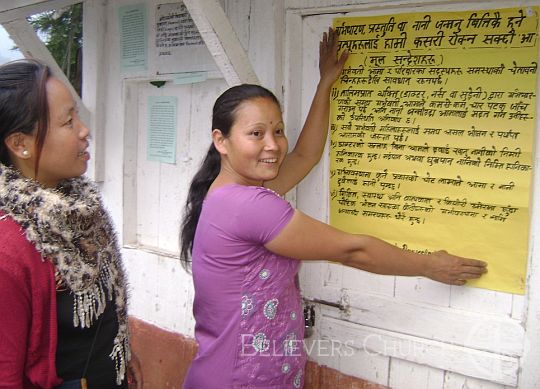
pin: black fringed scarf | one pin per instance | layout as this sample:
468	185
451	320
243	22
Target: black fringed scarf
69	226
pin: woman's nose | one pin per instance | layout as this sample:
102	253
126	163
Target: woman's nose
270	142
83	130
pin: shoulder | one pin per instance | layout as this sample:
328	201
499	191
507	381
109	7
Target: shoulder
11	233
243	200
17	254
249	212
244	195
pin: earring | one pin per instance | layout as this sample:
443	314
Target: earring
25	153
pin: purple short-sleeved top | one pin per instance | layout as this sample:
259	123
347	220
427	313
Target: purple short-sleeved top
249	320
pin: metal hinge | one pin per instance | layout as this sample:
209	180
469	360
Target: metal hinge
309	311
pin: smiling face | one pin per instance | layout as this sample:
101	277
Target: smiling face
64	152
256	145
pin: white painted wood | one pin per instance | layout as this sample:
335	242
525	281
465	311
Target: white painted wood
308	71
24	36
292	108
530	377
482	301
370	283
93	87
328	350
148	174
407	375
161	292
518	307
18	4
312	7
172	188
458	381
239	12
155	191
365	365
479	331
422	290
200	128
20	9
472	363
220	39
504	311
267	21
130	140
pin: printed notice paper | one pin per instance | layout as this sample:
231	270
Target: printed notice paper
161	134
432	131
179	46
133	37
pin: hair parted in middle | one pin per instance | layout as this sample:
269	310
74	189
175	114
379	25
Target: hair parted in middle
223	118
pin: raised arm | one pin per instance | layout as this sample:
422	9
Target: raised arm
305	238
310	145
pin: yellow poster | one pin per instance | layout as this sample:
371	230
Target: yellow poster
433	120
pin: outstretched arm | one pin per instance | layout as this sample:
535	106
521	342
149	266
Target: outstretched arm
310	145
308	239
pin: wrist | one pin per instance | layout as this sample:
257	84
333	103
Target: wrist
325	85
426	265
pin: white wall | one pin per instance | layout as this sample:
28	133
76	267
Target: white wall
146	199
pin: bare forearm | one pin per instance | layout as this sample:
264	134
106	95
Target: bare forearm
377	256
312	139
305	238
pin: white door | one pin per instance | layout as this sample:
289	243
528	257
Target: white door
397	331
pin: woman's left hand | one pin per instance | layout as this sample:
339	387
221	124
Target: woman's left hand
452	269
135	375
330	66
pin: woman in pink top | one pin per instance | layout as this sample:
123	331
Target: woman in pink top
246	240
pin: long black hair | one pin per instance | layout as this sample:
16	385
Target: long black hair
23	103
223	117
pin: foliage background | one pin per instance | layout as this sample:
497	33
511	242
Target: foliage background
61	31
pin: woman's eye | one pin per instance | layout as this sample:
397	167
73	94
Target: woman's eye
280	131
256	133
69	122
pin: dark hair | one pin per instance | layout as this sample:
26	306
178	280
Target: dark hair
23	103
223	117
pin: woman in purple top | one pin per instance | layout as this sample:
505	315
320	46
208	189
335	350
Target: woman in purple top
246	241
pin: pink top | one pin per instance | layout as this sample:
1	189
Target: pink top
248	312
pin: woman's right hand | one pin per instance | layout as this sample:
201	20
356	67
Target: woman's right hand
453	270
330	66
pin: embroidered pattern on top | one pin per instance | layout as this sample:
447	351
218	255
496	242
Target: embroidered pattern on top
260	343
289	344
270	309
298	379
285	368
247	305
264	274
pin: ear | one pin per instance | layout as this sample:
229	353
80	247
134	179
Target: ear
20	145
219	141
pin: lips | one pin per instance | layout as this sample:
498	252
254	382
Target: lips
84	154
268	160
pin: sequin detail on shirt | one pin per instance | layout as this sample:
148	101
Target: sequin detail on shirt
290	346
247	305
270	309
260	343
298	379
264	274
